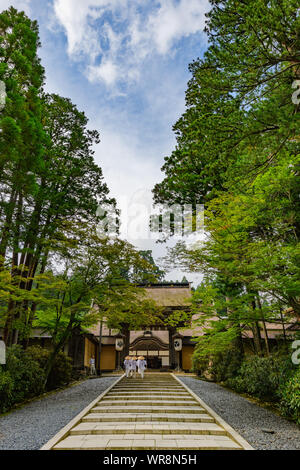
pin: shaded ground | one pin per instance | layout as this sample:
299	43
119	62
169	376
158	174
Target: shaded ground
248	419
30	427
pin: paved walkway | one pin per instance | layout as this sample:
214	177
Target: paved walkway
158	412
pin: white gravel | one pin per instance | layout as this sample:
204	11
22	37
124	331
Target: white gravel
30	427
251	421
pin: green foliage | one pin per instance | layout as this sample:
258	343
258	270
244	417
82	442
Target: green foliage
154	274
238	152
290	397
6	391
61	373
262	376
239	112
23	378
26	373
225	366
47	174
92	286
200	364
94	273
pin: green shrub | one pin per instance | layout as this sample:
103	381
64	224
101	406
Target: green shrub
290	397
262	376
200	364
61	373
27	375
220	367
225	366
23	377
6	391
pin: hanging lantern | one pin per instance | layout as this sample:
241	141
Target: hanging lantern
119	343
178	344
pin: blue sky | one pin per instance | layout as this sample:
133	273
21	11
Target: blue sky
125	63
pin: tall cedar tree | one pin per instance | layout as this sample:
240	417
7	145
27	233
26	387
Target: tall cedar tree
48	174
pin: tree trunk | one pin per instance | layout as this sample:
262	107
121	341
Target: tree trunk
257	338
59	347
256	330
7	225
264	326
125	352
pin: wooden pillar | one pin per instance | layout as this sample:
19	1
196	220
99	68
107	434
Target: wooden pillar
125	352
172	332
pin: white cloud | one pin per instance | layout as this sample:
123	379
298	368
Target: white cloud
22	5
174	21
107	72
120	157
114	37
131	178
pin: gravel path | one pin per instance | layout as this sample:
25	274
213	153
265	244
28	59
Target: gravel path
30	427
247	418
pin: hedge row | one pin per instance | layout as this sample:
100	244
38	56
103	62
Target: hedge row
23	377
274	379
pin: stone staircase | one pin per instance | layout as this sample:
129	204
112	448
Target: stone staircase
157	412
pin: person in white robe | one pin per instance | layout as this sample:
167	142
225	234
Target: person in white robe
142	365
92	366
127	365
133	367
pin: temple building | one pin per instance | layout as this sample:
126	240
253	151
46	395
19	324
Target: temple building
164	347
156	343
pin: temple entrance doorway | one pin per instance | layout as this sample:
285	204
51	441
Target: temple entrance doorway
154	362
155	351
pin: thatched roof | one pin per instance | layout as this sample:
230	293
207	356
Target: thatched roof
169	295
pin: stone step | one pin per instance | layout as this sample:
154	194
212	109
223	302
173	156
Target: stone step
147	409
169	394
148	428
141	383
147	382
150	389
150	378
146	417
161	441
155	413
131	383
144	384
141	402
150	384
149	394
146	397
